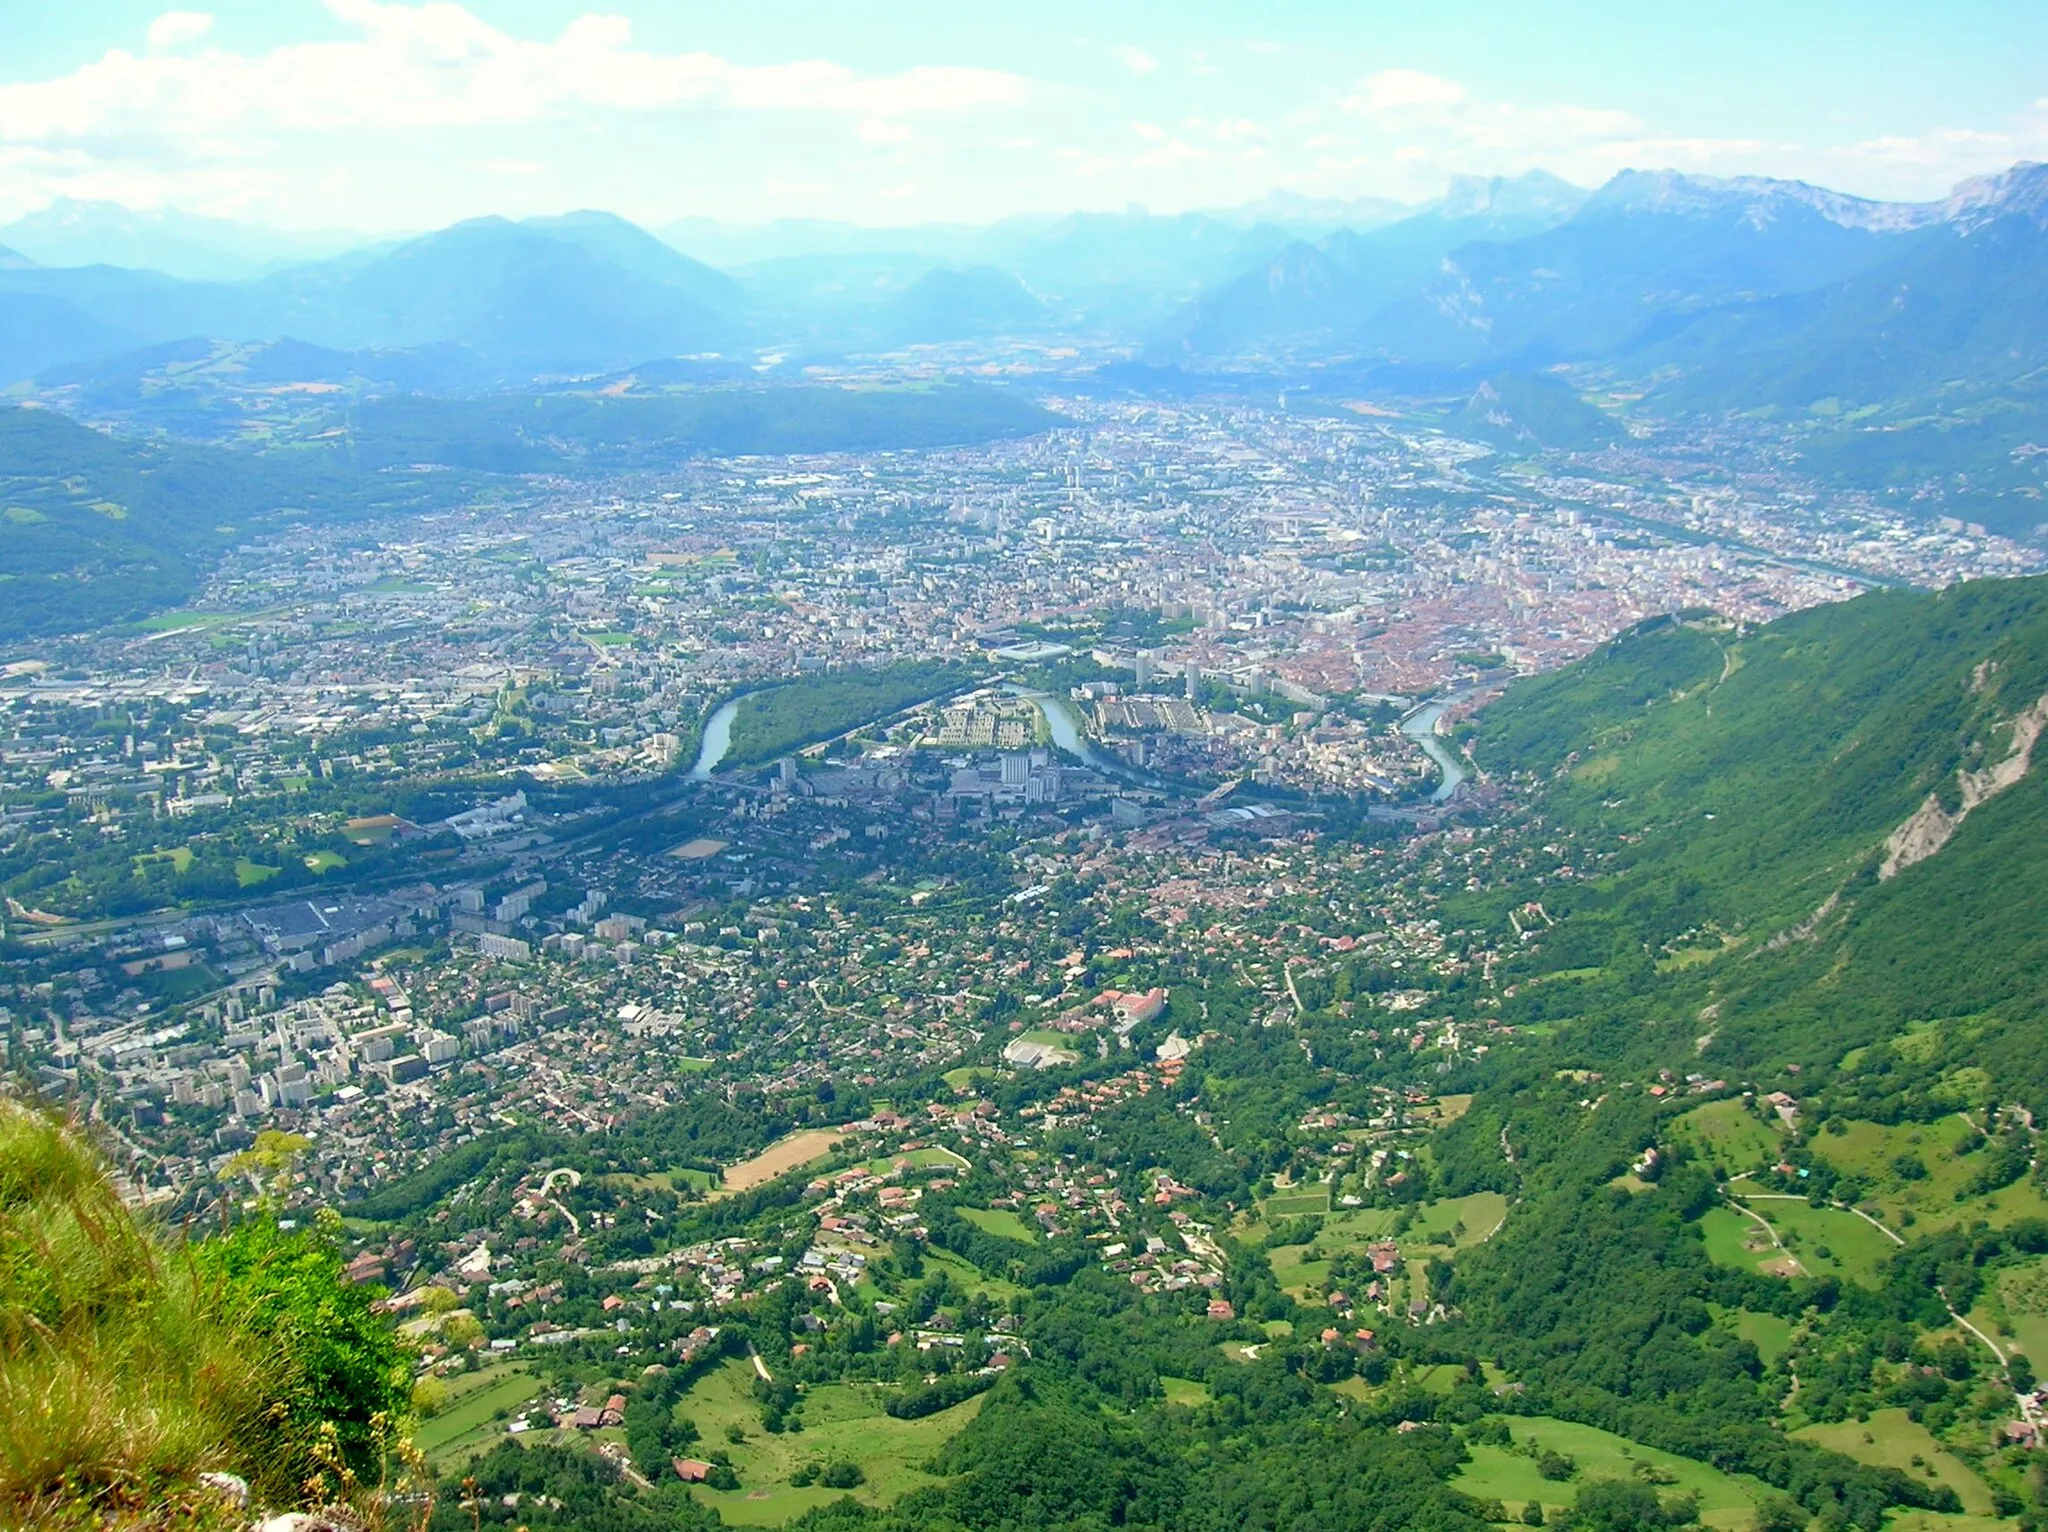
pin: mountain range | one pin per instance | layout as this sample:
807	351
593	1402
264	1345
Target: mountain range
1715	279
1902	343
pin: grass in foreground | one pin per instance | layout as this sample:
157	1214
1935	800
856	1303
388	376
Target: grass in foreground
131	1363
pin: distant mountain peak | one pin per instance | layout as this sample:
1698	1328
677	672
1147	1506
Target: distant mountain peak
1760	198
14	260
1533	191
2022	190
1293	210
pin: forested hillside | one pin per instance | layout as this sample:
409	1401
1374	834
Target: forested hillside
1730	795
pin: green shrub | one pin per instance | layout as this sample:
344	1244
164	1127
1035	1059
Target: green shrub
132	1361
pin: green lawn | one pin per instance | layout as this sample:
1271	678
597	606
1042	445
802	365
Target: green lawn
1437	1223
841	1421
1066	1042
999	1221
927	1158
1184	1391
1359	1226
1730	1238
249	874
1496	1473
469	1423
1890	1440
326	861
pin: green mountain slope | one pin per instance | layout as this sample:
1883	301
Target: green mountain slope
1737	797
96	529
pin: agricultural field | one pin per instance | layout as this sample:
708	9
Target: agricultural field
779	1158
474	1416
1500	1473
1296	1202
1890	1439
842	1422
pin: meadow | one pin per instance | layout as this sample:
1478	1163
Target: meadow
473	1418
842	1422
1501	1473
1889	1439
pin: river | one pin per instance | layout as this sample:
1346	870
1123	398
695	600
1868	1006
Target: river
1420	726
1060	723
717	740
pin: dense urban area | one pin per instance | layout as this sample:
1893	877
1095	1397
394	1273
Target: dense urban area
731	942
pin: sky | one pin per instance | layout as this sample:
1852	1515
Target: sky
392	115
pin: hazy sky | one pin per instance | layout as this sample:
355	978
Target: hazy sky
377	116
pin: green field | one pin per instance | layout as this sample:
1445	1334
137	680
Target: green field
470	1421
841	1421
1357	1226
1826	1241
1496	1473
1732	1240
1724	1134
249	874
1066	1042
1869	1150
932	1156
1296	1202
972	1277
1770	1334
1184	1391
999	1221
1891	1440
1438	1223
1299	1277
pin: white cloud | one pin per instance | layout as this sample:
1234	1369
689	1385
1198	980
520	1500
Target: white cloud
439	65
1137	60
1228	129
174	29
1401	90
